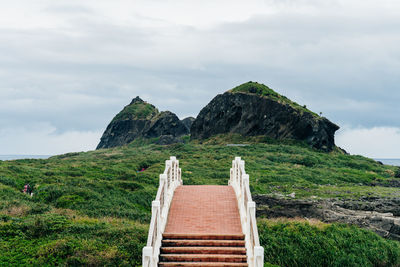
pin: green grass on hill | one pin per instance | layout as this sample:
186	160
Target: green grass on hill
302	243
93	208
137	111
265	91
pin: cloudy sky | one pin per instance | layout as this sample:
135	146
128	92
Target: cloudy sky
67	67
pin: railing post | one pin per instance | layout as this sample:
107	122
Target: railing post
258	256
164	205
251	206
233	172
245	182
237	173
156	249
155	209
147	256
173	170
180	176
165	177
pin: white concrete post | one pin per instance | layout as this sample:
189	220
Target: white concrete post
177	172
258	256
251	206
166	200
237	173
163	182
147	256
155	209
173	170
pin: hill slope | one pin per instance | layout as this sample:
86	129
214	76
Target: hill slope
93	208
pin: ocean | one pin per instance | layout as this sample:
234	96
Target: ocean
394	162
12	157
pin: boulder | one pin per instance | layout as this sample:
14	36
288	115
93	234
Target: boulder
253	109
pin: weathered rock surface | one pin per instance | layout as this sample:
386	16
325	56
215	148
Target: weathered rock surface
188	122
165	123
253	109
142	120
378	214
168	139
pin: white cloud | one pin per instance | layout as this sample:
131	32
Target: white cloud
377	142
74	64
44	140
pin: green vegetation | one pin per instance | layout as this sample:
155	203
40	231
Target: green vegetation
256	88
301	243
93	208
138	110
265	91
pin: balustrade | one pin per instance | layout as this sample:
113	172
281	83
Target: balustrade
169	181
239	180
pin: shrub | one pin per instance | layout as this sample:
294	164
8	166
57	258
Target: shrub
302	244
69	201
42	225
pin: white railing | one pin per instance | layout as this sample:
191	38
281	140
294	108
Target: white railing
239	180
169	181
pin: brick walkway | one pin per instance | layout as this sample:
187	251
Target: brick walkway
204	209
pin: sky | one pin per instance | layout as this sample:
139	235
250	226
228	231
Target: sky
68	67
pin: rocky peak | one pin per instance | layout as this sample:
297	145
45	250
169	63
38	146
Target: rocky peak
136	100
140	119
253	109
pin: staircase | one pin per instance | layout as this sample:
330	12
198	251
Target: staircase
207	225
203	250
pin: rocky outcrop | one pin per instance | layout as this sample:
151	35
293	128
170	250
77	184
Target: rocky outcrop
165	123
378	214
188	122
254	109
142	120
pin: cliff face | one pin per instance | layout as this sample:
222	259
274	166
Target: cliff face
254	109
140	119
188	122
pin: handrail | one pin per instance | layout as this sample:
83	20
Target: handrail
169	181
239	180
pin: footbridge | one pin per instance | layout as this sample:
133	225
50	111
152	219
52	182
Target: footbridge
203	225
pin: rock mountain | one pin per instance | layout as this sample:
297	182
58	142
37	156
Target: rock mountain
253	109
250	109
140	119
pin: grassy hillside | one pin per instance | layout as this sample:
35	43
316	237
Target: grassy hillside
94	208
138	111
264	91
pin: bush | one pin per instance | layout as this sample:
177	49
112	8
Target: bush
397	173
302	244
43	225
69	201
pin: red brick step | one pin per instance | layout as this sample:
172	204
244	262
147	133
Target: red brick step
204	236
202	258
204	250
203	229
203	243
202	264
